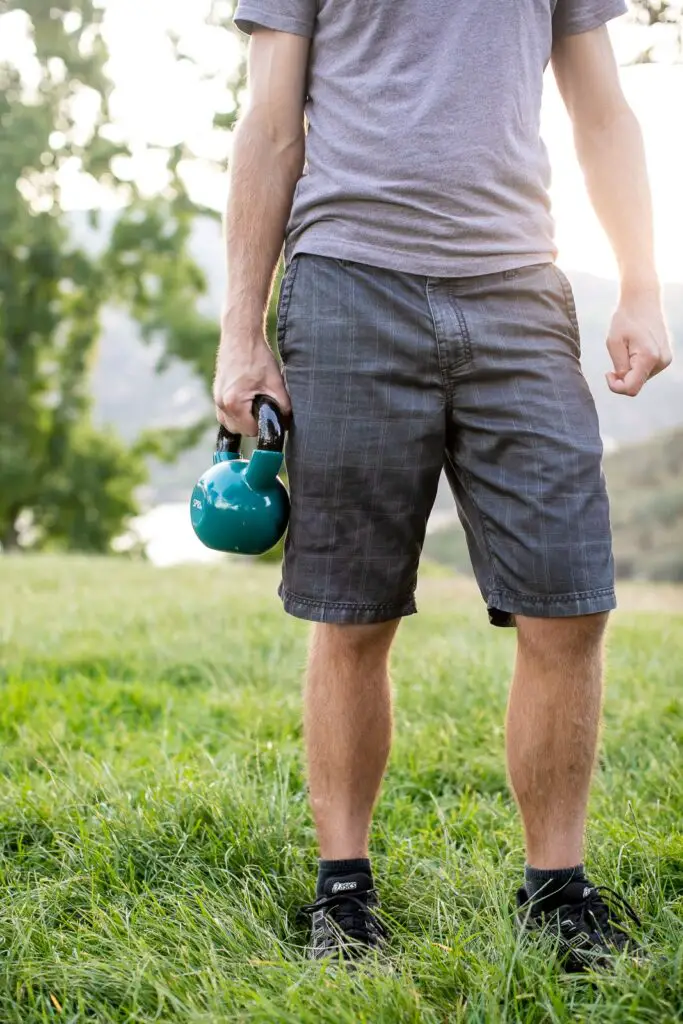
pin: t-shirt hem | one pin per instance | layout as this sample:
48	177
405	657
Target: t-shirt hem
594	19
247	18
408	263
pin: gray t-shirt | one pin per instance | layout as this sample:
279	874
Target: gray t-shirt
423	151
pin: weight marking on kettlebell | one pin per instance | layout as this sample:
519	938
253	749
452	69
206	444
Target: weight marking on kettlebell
196	503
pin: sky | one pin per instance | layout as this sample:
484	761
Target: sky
160	101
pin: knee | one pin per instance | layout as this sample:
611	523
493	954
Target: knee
360	643
561	638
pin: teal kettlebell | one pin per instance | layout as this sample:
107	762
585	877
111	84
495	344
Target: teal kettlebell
241	505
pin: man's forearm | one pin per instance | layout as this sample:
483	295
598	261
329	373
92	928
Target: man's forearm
264	171
613	161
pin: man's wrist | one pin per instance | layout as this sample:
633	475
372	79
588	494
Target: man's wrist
640	284
242	320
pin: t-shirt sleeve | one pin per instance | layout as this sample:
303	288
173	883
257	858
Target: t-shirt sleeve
296	16
574	16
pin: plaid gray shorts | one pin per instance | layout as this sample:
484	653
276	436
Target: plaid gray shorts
393	376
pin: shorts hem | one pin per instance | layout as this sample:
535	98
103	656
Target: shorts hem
345	613
503	605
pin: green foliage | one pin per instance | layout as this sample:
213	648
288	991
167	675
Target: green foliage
52	290
159	281
647	508
156	841
90	492
664	15
657	12
449	547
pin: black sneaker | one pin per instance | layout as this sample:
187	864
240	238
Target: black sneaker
344	920
586	920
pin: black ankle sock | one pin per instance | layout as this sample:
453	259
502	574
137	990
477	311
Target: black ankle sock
354	875
543	884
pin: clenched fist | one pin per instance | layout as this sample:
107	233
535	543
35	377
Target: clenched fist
638	343
245	367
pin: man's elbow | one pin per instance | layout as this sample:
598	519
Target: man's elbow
279	137
601	120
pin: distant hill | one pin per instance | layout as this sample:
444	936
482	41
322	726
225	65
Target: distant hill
646	484
646	490
130	395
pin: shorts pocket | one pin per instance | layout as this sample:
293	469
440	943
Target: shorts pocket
284	300
569	306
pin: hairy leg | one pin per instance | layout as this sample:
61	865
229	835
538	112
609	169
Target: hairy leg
552	732
347	725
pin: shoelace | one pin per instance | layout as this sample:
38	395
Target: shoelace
605	905
602	909
350	913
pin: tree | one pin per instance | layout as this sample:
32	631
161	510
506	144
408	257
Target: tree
73	483
658	12
663	16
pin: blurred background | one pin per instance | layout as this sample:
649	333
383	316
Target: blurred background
115	133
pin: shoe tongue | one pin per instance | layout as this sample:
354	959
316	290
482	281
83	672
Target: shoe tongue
351	884
576	891
572	892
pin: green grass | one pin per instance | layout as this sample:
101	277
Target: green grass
155	839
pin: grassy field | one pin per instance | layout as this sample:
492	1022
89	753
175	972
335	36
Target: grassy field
155	840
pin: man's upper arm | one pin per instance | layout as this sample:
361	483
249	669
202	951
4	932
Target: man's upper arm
588	77
281	32
295	16
278	63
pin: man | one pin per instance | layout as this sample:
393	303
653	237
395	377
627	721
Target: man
423	323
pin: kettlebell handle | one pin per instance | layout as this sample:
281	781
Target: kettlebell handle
271	428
